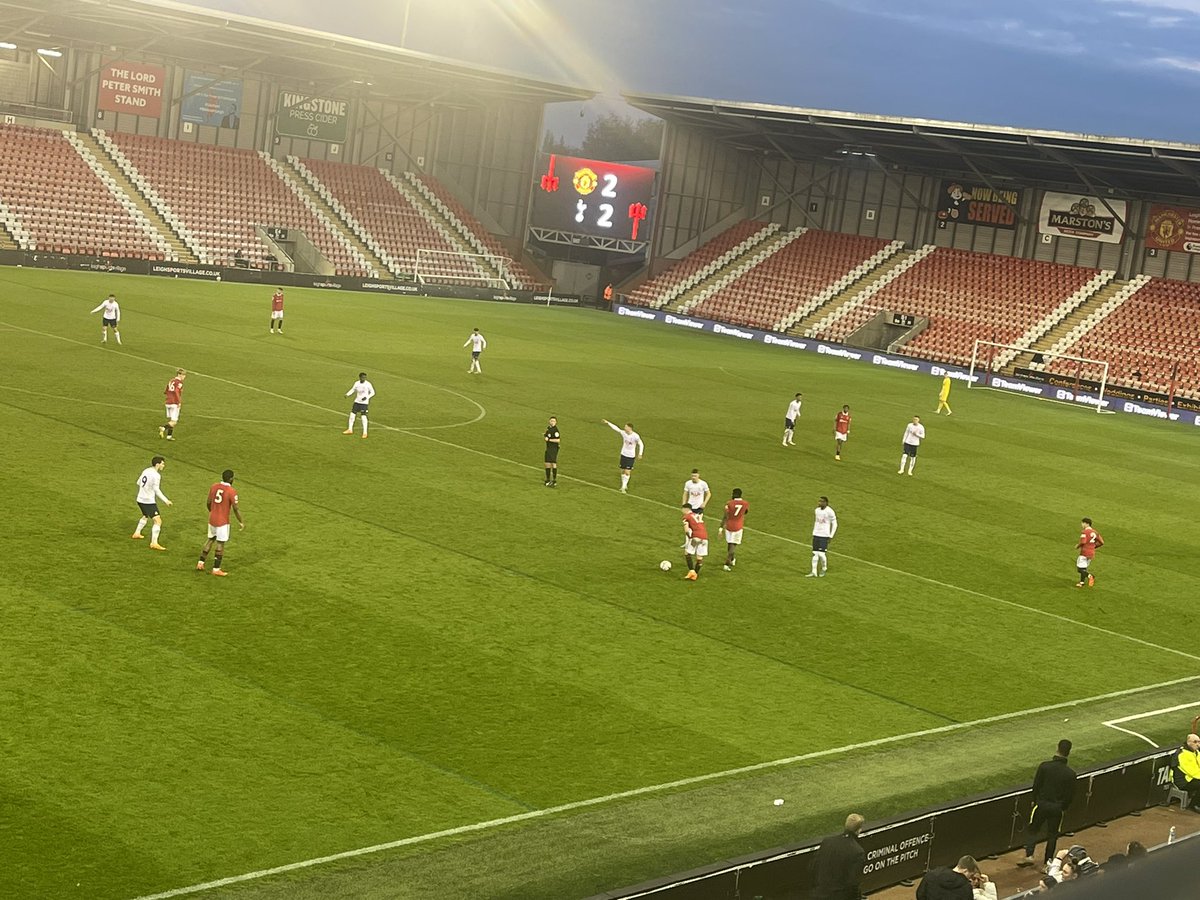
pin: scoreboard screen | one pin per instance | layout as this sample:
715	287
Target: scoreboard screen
587	196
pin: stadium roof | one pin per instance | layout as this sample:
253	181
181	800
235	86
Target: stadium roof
999	155
240	46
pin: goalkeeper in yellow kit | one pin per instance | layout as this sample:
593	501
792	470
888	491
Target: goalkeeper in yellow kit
944	396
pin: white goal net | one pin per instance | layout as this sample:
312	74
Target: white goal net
1047	375
455	267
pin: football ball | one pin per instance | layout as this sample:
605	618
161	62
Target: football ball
665	565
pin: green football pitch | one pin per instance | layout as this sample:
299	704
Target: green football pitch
459	683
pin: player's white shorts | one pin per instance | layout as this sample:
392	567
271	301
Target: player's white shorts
696	548
220	532
1081	562
733	537
840	436
172	412
277	314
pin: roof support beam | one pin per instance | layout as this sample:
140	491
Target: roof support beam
1061	157
1172	162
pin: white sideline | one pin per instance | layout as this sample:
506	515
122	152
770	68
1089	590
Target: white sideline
650	789
1116	723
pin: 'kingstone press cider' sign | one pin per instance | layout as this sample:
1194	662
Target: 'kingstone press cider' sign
314	118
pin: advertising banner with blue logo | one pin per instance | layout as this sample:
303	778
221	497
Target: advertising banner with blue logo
211	101
1035	384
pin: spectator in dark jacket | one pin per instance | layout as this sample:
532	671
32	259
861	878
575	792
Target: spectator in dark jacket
1053	791
838	863
950	884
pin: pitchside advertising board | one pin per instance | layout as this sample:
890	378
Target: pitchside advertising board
591	197
1173	228
1083	217
962	203
315	118
1082	393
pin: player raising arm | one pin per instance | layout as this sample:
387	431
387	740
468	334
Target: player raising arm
149	492
363	391
222	498
173	394
631	441
110	318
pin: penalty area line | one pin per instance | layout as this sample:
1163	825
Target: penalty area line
1116	723
652	789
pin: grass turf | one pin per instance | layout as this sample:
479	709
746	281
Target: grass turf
418	636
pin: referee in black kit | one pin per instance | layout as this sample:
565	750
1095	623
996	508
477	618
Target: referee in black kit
552	440
1053	790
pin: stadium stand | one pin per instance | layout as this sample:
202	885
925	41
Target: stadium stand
778	287
58	199
397	225
1155	328
966	296
221	193
701	264
469	227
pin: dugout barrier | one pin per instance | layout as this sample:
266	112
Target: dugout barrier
201	272
1116	398
903	848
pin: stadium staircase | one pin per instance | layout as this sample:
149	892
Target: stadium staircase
302	180
735	269
9	229
702	264
859	292
1079	320
147	202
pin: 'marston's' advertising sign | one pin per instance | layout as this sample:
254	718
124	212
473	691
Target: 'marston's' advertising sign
1080	216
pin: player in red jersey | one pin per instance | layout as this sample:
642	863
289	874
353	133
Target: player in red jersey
222	499
732	520
841	431
695	546
1089	542
277	310
174	399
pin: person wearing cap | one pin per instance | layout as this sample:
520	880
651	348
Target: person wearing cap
838	863
1053	791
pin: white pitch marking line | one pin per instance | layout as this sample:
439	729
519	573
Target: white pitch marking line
250	387
1116	723
652	789
142	409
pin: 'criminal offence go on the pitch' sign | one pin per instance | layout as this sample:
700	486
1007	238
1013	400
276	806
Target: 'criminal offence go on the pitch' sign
315	118
131	88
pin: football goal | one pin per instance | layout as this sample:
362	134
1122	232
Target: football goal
456	267
1067	379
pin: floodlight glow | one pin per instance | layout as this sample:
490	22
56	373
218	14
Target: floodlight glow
42	51
5	45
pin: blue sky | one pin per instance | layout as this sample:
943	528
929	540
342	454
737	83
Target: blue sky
1113	67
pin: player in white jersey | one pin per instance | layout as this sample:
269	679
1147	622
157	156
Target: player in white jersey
363	391
631	444
914	433
789	421
477	342
110	319
149	492
695	491
824	528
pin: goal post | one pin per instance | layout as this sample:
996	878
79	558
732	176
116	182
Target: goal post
459	267
1084	379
